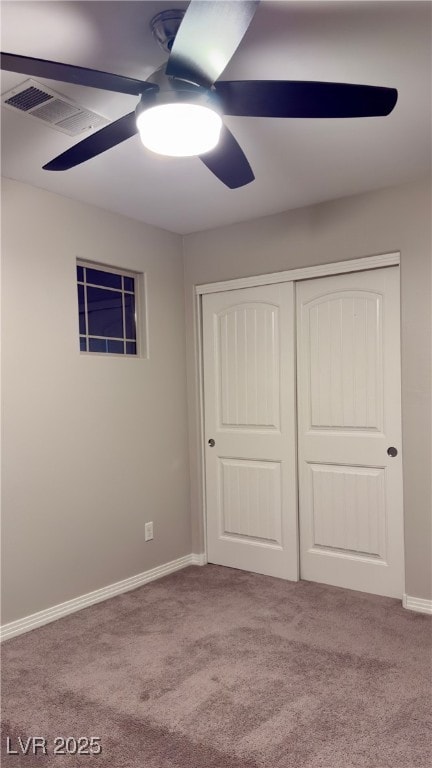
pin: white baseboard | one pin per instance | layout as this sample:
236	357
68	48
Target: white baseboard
417	604
20	626
200	559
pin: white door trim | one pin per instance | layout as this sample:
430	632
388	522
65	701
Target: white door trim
302	273
200	383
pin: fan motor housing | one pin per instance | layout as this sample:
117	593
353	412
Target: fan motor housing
172	90
165	26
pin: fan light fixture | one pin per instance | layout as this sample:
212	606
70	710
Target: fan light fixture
181	103
179	129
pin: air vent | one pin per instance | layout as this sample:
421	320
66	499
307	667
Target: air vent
35	100
27	99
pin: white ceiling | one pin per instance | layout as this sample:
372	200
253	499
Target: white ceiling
296	162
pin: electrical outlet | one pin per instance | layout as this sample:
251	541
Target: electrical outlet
148	531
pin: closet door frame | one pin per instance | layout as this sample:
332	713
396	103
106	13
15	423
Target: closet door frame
292	275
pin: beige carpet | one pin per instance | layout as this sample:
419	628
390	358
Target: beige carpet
216	668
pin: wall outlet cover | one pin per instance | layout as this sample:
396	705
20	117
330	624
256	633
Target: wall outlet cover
148	531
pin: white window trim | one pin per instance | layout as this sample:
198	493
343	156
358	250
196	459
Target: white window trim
141	312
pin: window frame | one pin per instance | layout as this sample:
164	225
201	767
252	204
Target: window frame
140	295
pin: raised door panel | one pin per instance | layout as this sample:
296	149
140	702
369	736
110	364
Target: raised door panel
344	361
250	500
247	338
347	510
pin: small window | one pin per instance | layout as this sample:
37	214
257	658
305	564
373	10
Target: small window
107	310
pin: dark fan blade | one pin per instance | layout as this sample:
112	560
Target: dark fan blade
297	98
228	161
93	145
68	73
209	34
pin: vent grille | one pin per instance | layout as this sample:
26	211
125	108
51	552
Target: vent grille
34	100
55	111
28	99
75	123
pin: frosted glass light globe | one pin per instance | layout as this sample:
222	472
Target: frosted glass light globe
180	129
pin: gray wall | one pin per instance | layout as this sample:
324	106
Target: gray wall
93	447
395	219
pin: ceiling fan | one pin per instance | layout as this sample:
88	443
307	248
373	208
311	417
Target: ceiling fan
181	105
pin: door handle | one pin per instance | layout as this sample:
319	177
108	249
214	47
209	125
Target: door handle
211	443
392	451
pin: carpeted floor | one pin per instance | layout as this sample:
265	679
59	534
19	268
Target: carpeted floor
217	668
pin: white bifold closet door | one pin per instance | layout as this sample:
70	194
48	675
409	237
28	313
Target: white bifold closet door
249	393
349	431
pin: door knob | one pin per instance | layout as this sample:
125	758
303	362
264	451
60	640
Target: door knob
211	442
392	451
